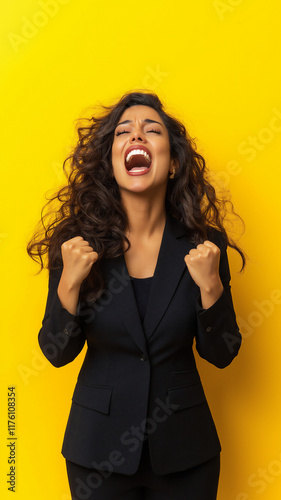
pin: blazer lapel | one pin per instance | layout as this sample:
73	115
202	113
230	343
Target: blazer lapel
168	271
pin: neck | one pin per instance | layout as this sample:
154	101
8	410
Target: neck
146	217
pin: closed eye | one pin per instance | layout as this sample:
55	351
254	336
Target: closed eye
126	131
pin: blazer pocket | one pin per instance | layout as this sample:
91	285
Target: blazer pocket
94	397
184	377
186	396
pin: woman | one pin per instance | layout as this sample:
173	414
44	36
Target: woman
139	426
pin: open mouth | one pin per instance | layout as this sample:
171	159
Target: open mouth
138	160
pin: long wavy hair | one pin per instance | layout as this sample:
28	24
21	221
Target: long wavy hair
90	204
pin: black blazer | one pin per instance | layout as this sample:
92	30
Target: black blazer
128	384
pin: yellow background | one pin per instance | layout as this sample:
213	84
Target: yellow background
216	66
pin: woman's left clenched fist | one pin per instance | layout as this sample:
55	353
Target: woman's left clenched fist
203	265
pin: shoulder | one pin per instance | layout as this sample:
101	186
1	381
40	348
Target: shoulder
217	237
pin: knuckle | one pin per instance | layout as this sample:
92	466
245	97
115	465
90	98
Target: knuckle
66	245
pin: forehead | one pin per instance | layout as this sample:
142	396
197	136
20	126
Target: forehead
140	112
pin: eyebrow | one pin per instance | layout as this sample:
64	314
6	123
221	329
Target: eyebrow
147	120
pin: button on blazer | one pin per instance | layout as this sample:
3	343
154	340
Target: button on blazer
140	381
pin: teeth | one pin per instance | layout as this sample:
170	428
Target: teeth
137	152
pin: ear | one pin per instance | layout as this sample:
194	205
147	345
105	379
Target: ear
175	164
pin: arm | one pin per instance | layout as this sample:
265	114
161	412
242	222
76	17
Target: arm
218	337
61	337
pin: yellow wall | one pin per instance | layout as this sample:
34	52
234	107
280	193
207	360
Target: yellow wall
216	65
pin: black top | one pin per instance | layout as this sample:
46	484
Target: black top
141	287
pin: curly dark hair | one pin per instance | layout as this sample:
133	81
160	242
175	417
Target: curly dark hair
91	206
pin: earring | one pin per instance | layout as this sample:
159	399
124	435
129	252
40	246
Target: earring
173	174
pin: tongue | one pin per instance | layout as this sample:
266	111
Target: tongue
137	161
139	169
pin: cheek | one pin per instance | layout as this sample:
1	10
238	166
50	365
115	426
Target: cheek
164	150
163	154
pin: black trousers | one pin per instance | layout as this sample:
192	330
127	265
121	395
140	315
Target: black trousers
196	483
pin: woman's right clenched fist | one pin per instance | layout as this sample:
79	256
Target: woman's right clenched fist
78	258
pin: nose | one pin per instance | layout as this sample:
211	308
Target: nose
136	135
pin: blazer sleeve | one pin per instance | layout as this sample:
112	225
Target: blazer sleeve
61	337
218	338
